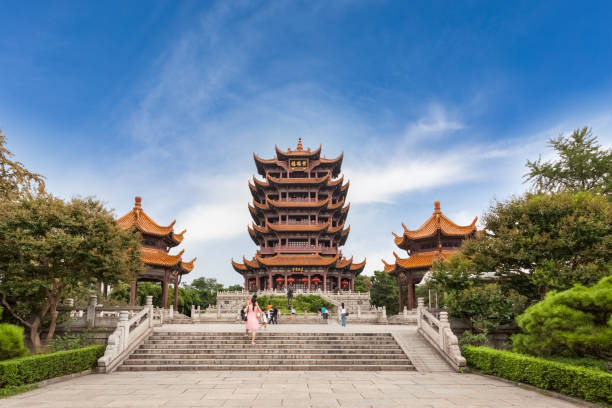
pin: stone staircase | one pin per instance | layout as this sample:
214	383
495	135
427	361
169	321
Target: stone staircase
166	350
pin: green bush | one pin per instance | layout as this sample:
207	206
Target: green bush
472	339
11	341
39	367
580	382
67	342
302	303
575	322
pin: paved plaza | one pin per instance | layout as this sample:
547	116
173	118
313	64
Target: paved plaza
282	389
433	385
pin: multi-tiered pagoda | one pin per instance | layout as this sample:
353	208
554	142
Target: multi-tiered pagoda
299	214
154	252
438	238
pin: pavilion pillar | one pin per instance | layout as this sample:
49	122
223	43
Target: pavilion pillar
270	280
133	293
165	291
325	281
400	292
352	287
309	277
176	294
410	293
286	287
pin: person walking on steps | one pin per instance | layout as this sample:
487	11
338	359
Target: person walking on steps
343	315
252	322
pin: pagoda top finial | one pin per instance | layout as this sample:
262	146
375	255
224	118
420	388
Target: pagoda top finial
137	202
436	207
299	145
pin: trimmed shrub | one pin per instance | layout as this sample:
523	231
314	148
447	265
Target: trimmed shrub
588	384
11	341
575	322
39	367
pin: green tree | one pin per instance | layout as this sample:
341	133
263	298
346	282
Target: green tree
582	165
15	180
48	246
234	288
541	242
485	305
208	288
575	322
384	292
363	284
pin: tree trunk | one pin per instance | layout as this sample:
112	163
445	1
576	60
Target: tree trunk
35	334
52	325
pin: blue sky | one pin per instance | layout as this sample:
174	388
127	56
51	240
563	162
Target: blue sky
168	100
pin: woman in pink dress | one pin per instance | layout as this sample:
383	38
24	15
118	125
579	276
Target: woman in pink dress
252	322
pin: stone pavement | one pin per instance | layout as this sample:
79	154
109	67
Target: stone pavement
434	385
352	389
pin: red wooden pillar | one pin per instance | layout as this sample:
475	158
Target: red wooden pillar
325	281
165	291
286	287
133	293
410	293
309	282
176	294
270	280
352	284
400	292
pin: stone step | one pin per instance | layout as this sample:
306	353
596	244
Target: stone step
245	340
243	336
273	351
271	356
257	361
271	334
267	367
265	346
149	350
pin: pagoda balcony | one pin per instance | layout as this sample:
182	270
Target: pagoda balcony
299	249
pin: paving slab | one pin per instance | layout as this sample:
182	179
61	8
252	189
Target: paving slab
282	389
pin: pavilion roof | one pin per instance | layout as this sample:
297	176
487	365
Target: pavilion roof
158	257
298	204
437	222
139	220
298	152
298	180
336	261
419	260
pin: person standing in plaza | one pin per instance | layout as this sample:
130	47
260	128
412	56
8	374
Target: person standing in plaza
343	315
252	322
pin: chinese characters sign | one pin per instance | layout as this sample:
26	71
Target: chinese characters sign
298	164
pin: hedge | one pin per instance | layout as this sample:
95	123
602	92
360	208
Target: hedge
39	367
588	384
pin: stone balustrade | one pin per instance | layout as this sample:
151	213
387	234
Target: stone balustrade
130	332
94	315
439	334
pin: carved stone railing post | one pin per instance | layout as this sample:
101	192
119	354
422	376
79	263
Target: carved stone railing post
193	313
384	313
91	311
444	324
171	313
420	309
358	312
405	313
149	306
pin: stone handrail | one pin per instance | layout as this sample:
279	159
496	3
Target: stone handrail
439	334
128	335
